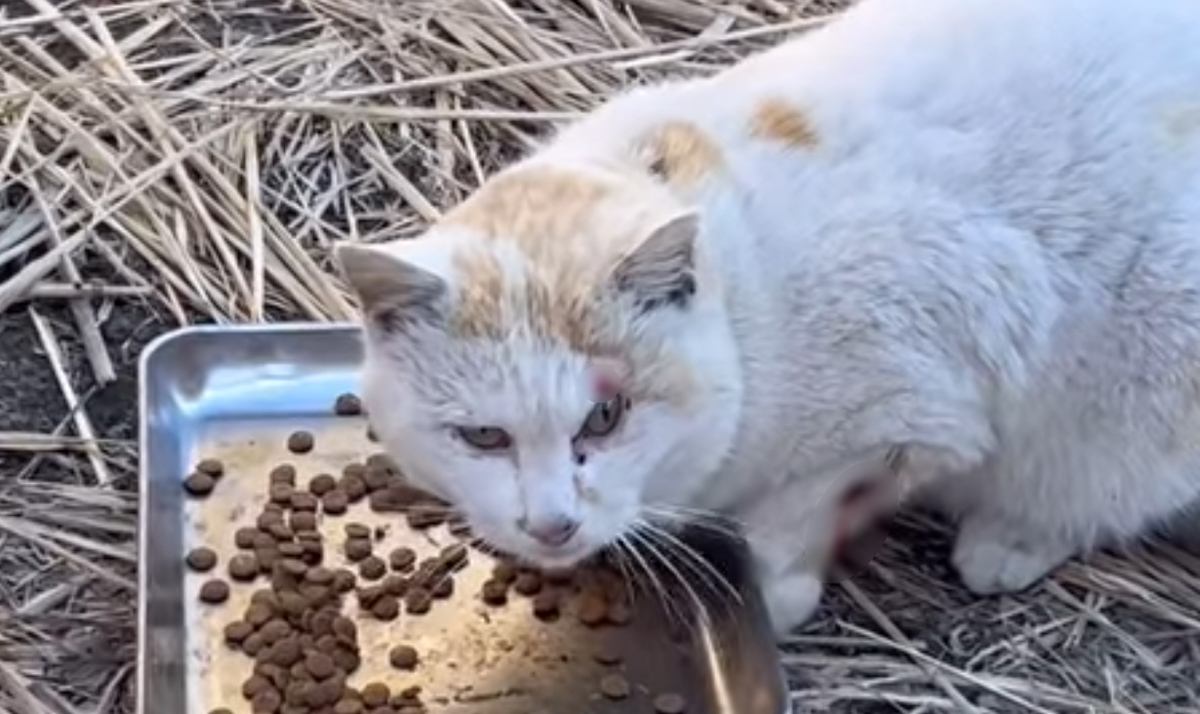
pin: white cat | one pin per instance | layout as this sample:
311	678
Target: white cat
964	234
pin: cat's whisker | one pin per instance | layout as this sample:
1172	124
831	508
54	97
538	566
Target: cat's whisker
618	552
693	560
664	597
686	512
695	521
656	552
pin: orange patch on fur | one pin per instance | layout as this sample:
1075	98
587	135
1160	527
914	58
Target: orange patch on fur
681	153
776	120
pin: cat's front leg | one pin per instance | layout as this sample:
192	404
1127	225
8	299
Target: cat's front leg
789	557
993	554
791	598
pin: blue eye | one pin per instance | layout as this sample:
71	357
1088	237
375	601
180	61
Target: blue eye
484	438
603	418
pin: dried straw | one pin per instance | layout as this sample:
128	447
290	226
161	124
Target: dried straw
198	158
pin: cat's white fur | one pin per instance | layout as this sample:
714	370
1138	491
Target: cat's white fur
986	255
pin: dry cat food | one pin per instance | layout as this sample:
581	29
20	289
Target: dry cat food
347	405
199	484
303	649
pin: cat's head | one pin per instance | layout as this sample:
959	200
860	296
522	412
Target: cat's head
551	357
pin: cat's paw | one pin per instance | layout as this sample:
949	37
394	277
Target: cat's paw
791	599
994	558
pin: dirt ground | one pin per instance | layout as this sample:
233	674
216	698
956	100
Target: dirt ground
264	132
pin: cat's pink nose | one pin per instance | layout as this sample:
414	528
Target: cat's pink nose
554	531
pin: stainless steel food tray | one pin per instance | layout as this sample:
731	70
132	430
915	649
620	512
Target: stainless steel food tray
235	393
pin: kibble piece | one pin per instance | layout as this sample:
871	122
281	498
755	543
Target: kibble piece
372	567
670	703
614	686
284	473
418	601
402	559
545	605
425	516
319	575
303	521
212	467
199	484
214	591
354	486
444	588
369	595
281	493
454	556
253	644
275	630
382	461
348	706
266	702
320	665
321	484
344	629
264	596
376	694
357	549
281	532
335	502
254	685
300	442
495	592
403	657
386	607
347	405
258	614
243	566
344	580
504	572
268	519
357	530
244	537
528	583
346	659
291	550
593	610
304	501
201	559
237	631
220	710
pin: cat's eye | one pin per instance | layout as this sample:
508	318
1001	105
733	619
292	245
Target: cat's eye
485	438
603	418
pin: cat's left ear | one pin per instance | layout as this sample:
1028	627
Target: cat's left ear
661	270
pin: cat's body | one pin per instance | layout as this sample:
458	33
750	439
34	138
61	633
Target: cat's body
962	232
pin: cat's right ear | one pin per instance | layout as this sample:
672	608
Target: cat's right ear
393	293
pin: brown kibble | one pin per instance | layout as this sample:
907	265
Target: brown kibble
281	532
284	473
383	462
545	605
293	567
214	592
319	664
426	516
253	644
402	559
357	530
254	685
292	603
291	550
354	486
495	592
444	588
369	595
335	502
300	442
395	585
376	478
212	467
319	575
528	583
418	601
346	659
274	631
201	559
357	549
454	556
243	566
670	703
281	493
593	611
244	537
321	484
504	572
266	702
376	694
303	521
608	655
258	614
344	580
372	568
268	519
348	706
287	652
304	501
387	607
237	631
403	657
345	630
347	405
220	710
199	484
614	686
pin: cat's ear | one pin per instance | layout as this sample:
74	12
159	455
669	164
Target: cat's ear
661	269
393	293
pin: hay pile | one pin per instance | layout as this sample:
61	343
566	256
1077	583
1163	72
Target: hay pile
170	161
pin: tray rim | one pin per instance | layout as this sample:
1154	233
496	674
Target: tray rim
149	355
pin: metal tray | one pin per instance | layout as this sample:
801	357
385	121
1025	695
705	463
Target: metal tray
235	393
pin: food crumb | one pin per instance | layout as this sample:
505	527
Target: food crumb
614	686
